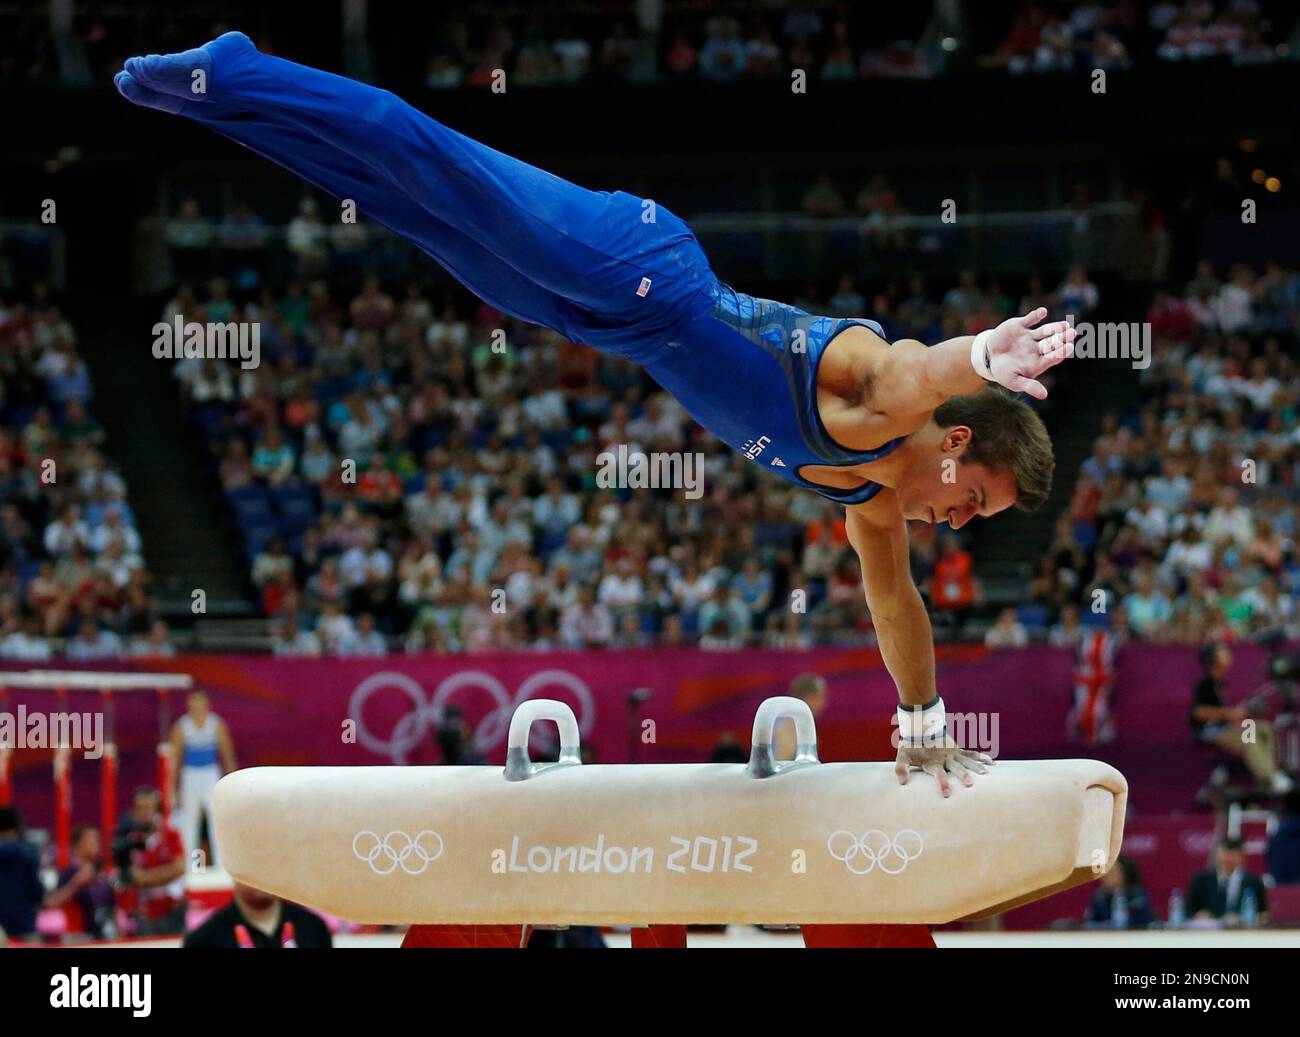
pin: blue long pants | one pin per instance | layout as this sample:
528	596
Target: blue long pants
598	267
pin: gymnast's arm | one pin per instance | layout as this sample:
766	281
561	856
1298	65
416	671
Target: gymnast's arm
901	384
226	748
878	533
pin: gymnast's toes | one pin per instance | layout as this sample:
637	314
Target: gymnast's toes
188	74
174	74
137	93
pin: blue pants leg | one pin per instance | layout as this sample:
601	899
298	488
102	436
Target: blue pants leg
632	272
334	172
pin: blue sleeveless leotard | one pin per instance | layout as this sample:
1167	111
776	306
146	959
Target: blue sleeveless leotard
747	372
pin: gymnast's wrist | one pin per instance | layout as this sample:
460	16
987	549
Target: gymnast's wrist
980	358
922	726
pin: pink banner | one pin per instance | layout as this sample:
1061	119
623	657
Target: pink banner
647	706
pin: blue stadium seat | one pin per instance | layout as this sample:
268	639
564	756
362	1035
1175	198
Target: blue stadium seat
256	537
1034	617
558	440
294	499
291	526
547	543
250	504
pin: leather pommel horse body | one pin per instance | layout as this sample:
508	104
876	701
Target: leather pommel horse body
799	842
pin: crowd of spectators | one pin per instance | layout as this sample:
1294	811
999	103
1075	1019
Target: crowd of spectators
473	45
72	579
729	45
474	520
447	455
1186	512
1045	37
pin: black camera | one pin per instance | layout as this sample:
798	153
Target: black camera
127	842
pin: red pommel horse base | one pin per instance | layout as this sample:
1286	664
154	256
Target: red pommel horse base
669	936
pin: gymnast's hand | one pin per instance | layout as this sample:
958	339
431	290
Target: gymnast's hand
1018	352
941	760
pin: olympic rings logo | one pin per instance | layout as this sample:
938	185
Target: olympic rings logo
873	849
414	727
395	849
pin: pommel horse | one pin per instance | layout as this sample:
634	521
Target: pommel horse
475	856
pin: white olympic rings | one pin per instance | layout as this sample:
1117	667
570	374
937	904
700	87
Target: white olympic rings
877	849
386	855
414	726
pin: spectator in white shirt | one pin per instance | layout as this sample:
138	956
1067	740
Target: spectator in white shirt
1270	608
306	237
65	531
1077	295
1007	632
1150	520
1260	388
289	640
1148	608
157	642
547	410
555	511
271	563
334	624
1188	554
113	528
357	562
1234	302
365	639
586	623
360	435
1229	520
1066	632
692	588
422	509
93	643
621	588
26	643
118	563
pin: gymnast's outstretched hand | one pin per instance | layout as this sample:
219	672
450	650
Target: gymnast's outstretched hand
1018	352
941	760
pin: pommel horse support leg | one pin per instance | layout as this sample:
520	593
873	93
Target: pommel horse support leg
833	847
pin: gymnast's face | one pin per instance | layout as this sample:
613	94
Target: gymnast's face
939	486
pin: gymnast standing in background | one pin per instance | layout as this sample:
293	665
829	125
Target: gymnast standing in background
203	751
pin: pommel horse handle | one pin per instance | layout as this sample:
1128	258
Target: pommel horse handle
518	766
762	755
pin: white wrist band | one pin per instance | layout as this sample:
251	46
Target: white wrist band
926	726
979	355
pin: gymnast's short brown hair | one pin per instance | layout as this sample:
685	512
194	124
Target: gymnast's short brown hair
1006	433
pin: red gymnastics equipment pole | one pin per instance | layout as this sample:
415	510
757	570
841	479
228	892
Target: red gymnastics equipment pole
6	757
108	780
62	790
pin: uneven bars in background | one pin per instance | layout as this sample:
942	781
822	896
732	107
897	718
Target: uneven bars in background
61	682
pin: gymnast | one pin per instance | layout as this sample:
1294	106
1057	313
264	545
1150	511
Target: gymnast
894	432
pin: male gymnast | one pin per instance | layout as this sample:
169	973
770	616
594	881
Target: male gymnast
894	432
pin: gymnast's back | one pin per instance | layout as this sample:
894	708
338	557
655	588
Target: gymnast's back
746	369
